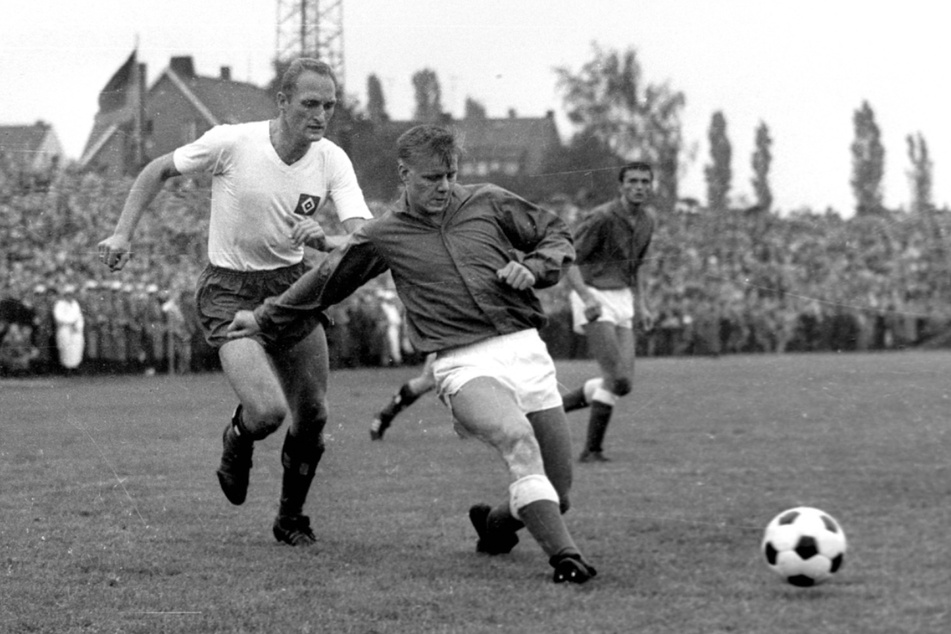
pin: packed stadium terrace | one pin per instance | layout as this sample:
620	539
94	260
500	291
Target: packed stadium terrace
743	281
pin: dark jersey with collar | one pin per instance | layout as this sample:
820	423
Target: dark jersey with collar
611	244
444	267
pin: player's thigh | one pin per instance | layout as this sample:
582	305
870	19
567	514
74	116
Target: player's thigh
249	370
303	371
626	342
487	410
554	440
604	346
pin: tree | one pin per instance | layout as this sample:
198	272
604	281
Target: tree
475	110
718	173
868	161
428	96
376	103
609	100
762	159
920	174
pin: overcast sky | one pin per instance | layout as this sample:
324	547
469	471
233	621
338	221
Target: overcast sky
801	66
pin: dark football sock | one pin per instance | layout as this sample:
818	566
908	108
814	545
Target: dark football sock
598	425
300	464
400	401
543	520
575	400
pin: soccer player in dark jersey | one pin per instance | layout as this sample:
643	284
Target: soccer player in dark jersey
464	260
611	243
408	394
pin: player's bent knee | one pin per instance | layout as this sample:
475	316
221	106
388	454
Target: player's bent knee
528	489
313	415
622	386
522	454
261	422
607	397
564	505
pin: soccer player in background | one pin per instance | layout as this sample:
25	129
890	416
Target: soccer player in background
611	243
269	179
408	394
464	260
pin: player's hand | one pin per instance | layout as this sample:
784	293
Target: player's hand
592	309
115	251
307	231
516	275
244	324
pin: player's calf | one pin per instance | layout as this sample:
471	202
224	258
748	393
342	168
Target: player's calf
234	472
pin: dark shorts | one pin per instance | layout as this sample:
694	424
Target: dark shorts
223	292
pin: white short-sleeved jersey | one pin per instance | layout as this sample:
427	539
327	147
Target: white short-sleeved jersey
256	197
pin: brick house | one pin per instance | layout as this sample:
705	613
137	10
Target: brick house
179	107
509	151
509	146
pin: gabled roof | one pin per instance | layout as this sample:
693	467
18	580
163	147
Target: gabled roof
218	100
232	101
20	141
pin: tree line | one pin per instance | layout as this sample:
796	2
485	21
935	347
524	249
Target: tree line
619	115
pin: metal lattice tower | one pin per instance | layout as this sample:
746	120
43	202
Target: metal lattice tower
312	28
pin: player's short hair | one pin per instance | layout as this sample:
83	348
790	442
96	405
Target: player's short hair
635	166
301	65
428	140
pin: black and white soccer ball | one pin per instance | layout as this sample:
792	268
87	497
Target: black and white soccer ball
805	546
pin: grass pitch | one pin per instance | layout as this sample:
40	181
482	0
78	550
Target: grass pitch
111	519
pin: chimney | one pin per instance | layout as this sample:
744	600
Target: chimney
183	66
226	73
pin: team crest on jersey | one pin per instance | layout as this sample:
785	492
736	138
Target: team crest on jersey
307	204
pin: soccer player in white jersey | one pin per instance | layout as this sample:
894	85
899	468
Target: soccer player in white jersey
269	179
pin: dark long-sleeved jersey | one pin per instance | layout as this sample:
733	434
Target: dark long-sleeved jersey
611	245
444	267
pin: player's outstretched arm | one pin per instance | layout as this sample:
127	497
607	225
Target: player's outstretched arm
116	250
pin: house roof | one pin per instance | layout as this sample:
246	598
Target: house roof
498	139
232	101
218	100
19	140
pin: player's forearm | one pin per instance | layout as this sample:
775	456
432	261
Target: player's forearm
340	274
335	242
576	281
144	190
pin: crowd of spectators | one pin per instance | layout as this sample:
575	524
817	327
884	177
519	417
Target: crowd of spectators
744	281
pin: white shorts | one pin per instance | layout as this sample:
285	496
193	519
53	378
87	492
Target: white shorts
519	361
617	307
